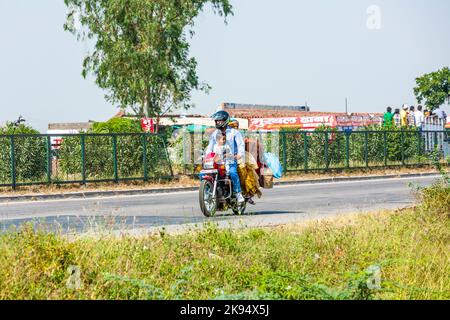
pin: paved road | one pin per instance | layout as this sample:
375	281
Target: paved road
280	205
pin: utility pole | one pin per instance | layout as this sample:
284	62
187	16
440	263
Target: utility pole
346	106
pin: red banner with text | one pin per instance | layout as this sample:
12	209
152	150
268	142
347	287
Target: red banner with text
304	123
148	125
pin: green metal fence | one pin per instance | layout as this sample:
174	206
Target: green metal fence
302	151
86	158
82	158
324	150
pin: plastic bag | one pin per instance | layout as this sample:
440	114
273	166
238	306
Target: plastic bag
274	164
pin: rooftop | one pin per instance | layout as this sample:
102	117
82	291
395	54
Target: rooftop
240	106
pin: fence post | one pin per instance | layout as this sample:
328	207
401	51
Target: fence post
192	152
327	165
83	158
13	162
144	156
168	158
419	146
49	161
338	154
366	148
435	138
184	151
385	148
283	141
305	149
116	173
347	149
402	141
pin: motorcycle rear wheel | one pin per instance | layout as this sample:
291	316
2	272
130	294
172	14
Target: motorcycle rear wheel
208	203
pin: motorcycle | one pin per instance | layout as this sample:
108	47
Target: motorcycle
216	189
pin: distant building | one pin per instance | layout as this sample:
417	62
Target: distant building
264	117
236	107
59	129
74	126
183	120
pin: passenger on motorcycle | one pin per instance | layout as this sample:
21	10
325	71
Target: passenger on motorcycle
233	141
223	152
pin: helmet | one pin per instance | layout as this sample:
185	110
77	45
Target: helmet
234	123
223	117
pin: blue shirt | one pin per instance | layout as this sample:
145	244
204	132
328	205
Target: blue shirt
234	140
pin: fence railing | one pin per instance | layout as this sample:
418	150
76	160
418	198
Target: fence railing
303	151
86	158
82	158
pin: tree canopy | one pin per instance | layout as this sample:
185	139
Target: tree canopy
141	52
434	88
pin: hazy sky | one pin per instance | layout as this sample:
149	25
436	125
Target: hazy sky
271	52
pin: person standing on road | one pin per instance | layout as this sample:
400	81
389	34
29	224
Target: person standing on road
388	118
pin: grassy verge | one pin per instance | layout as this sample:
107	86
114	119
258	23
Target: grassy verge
389	255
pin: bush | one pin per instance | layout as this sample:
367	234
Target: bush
436	198
30	154
118	125
99	152
333	154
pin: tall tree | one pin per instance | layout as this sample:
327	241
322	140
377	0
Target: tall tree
434	88
141	53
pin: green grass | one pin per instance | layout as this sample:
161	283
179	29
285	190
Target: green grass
323	260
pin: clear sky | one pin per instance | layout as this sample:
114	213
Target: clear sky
271	52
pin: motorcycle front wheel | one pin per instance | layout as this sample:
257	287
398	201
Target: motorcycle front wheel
208	203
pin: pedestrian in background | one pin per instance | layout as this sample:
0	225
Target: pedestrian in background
419	117
397	119
388	118
404	116
411	116
438	112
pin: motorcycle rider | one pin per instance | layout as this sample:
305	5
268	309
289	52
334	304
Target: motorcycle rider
235	141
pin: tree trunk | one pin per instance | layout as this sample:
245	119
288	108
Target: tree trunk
157	124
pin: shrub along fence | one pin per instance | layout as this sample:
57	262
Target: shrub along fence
30	159
326	150
323	150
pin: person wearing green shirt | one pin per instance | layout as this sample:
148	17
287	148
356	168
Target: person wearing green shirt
388	119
